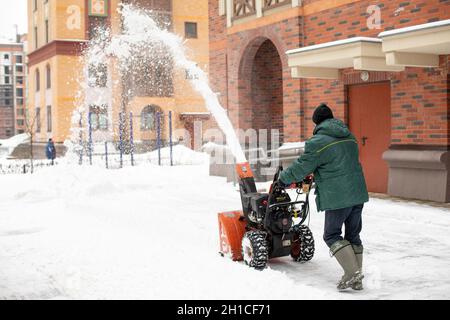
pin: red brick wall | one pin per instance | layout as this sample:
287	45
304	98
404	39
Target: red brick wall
267	88
218	52
236	53
350	20
420	105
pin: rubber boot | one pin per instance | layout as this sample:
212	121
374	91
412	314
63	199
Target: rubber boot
342	250
357	285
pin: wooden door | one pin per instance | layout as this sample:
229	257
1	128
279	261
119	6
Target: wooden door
369	120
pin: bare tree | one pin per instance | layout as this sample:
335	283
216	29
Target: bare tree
30	129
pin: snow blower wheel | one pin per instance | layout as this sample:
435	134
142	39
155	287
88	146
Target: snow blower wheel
302	248
255	250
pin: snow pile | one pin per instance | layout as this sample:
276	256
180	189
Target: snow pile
7	146
210	147
292	145
150	232
182	155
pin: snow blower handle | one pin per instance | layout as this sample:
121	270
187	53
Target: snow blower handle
305	184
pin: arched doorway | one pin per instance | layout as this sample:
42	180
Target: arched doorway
261	87
149	125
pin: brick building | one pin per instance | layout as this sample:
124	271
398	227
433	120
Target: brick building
383	67
12	88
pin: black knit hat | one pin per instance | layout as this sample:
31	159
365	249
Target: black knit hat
322	113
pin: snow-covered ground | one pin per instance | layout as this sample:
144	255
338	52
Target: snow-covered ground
8	145
150	232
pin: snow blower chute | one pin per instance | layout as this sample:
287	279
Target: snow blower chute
269	225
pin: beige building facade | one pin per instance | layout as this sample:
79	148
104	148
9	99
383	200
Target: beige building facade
58	32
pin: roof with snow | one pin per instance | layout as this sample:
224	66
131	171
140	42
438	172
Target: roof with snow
415	28
334	43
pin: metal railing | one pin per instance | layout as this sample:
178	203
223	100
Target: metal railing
24	167
243	8
269	4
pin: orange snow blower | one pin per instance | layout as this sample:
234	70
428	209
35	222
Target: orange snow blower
269	225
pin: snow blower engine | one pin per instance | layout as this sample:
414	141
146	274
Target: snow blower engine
270	225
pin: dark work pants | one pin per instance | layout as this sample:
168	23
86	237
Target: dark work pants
335	219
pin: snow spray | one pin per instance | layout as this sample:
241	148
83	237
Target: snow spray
141	33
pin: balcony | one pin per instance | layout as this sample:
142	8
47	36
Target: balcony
239	11
243	8
272	4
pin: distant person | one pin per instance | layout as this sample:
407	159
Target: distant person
332	155
50	151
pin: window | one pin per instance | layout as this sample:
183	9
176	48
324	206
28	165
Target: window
7	102
20	122
19	92
96	26
21	112
190	30
98	75
19	59
8	133
19	80
46	31
38	80
49	77
6	57
7	80
98	117
38	120
7	70
19	101
19	69
151	75
148	118
35	5
49	118
35	35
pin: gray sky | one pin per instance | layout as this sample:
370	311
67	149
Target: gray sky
13	12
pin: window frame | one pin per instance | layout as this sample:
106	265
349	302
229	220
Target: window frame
37	79
36	35
99	117
38	119
47	31
187	34
48	75
49	119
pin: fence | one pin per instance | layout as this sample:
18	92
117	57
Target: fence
107	155
23	167
114	154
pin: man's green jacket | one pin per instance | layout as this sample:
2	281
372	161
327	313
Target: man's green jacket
332	155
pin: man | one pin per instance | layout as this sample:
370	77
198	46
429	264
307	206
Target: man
331	154
50	151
